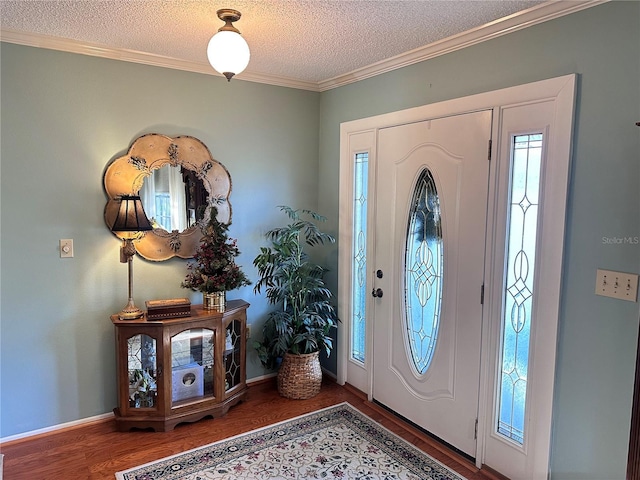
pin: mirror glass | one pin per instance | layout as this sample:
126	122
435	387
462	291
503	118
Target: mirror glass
174	198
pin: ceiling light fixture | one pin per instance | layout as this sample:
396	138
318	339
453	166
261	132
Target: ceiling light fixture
228	52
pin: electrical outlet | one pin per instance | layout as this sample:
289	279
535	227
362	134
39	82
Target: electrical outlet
66	248
623	286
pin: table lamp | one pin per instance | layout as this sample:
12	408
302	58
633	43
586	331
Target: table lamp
129	222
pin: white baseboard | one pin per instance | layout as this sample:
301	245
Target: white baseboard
61	426
106	416
260	378
329	374
88	420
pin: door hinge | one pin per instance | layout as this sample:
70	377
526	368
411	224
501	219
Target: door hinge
489	150
482	294
475	434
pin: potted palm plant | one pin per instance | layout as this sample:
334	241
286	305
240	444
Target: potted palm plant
299	328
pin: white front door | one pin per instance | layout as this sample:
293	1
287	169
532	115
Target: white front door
430	220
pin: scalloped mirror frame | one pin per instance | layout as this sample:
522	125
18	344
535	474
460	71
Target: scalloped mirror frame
125	176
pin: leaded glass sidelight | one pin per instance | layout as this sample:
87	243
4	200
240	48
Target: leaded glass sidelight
423	271
526	155
359	259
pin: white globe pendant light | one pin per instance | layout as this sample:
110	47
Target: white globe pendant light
228	52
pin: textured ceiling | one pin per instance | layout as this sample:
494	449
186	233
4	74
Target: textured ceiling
306	40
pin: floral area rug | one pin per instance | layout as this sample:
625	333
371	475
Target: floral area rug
337	442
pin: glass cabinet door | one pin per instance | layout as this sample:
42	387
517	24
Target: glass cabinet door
142	371
231	355
192	366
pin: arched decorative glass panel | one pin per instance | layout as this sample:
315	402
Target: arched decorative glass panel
423	271
526	156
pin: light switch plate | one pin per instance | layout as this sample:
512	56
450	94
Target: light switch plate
623	286
66	248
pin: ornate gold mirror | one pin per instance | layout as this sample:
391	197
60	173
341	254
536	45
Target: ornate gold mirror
178	181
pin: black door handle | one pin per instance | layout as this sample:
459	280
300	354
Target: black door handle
377	292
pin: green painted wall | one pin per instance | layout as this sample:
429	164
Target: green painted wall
597	335
64	117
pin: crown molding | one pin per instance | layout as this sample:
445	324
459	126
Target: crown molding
518	21
134	56
503	26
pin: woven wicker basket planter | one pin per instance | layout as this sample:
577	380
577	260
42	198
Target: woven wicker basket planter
300	376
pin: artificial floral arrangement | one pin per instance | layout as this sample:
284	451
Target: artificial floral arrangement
213	268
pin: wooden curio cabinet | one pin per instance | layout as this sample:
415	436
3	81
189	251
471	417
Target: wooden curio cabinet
180	370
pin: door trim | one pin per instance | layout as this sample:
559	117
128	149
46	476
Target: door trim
360	135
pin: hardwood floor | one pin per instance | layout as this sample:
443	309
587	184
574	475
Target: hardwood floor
97	451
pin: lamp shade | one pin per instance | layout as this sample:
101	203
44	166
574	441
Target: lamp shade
228	53
131	216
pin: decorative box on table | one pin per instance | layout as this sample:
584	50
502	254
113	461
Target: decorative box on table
172	308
